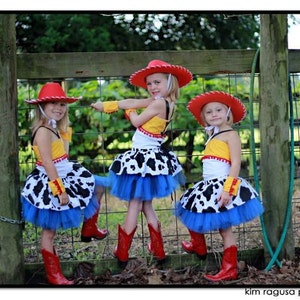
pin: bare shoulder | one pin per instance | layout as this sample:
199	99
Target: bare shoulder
43	132
232	136
233	133
157	103
159	108
228	136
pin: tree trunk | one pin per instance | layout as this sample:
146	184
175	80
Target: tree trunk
274	131
11	246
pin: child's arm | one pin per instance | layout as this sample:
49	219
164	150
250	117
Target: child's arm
232	182
113	106
235	149
154	109
43	142
67	138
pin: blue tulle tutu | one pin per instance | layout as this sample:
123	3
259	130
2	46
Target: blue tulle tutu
205	222
53	219
63	219
131	186
102	181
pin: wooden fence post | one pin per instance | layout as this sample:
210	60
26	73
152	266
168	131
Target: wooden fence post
11	247
274	130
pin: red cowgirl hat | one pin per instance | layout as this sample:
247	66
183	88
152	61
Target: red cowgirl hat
183	75
52	92
237	108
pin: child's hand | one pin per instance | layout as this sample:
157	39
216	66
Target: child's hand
63	199
224	199
127	113
98	106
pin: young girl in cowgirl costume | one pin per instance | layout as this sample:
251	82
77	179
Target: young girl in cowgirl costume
222	199
147	171
58	193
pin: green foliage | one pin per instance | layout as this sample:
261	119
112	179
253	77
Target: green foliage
61	32
190	31
98	137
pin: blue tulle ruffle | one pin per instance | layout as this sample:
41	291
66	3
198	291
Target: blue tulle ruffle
102	180
127	187
54	220
205	222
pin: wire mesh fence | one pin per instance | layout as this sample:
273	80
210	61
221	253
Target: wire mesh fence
95	144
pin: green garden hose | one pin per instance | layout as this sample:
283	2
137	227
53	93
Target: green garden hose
274	255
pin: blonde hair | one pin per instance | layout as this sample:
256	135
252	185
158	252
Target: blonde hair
40	119
230	118
173	92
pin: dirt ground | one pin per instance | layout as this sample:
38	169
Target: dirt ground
137	273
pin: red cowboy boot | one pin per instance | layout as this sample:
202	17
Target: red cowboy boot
197	245
229	270
53	270
156	246
124	244
90	229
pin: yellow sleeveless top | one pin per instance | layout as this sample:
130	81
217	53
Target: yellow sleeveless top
155	125
217	149
57	147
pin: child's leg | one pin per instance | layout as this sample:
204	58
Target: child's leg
47	240
150	214
134	208
126	233
90	226
156	246
229	270
51	260
227	237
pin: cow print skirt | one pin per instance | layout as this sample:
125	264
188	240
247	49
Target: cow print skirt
145	174
198	208
42	209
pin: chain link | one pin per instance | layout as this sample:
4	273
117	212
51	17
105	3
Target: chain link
11	221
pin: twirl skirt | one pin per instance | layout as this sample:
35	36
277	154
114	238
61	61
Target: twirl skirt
198	208
145	174
42	209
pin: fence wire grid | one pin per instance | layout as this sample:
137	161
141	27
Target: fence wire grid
113	211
